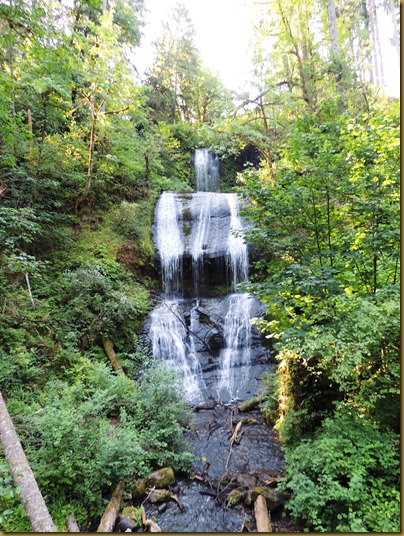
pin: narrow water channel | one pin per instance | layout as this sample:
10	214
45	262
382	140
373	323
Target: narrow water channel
202	328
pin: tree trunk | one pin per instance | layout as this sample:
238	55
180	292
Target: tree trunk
261	513
31	136
109	350
30	494
332	26
108	519
396	34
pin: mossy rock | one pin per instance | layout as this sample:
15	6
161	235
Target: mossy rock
163	478
233	498
250	404
139	489
271	496
132	513
159	495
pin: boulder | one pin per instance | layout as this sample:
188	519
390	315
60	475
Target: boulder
126	524
159	495
131	512
244	480
272	497
139	489
163	478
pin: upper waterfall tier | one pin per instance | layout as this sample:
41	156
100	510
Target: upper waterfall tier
207	175
199	236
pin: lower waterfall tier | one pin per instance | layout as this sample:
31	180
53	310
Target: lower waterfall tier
212	345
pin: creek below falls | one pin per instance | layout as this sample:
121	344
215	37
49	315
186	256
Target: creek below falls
202	329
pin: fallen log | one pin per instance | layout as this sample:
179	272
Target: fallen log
109	350
262	516
24	479
111	512
250	404
72	524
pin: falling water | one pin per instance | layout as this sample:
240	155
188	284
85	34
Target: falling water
236	355
169	243
170	343
199	238
238	254
206	171
213	233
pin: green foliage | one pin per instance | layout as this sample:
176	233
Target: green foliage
99	429
7	492
345	479
96	303
325	219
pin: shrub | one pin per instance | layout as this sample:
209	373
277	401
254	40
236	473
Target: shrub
346	478
103	428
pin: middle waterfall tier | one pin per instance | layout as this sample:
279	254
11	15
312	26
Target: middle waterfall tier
199	238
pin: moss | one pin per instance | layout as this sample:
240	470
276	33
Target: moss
162	478
139	489
186	228
233	498
186	214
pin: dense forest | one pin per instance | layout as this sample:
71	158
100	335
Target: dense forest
85	151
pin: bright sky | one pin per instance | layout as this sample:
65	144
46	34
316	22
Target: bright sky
222	36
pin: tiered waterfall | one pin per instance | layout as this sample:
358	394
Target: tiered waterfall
202	327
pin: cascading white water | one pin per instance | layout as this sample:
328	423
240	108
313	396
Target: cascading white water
206	171
170	342
201	205
202	227
236	355
238	253
170	243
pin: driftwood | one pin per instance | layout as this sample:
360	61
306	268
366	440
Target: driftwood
152	526
262	516
109	350
205	344
72	524
108	519
176	499
30	494
144	518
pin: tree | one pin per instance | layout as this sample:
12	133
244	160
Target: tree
23	476
177	65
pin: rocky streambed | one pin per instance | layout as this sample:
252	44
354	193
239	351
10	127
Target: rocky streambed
237	458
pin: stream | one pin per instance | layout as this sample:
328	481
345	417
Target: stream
202	328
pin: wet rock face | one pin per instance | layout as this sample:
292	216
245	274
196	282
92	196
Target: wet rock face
207	333
202	224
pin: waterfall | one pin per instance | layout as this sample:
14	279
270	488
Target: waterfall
206	171
238	253
170	243
201	208
199	238
170	342
236	356
202	329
